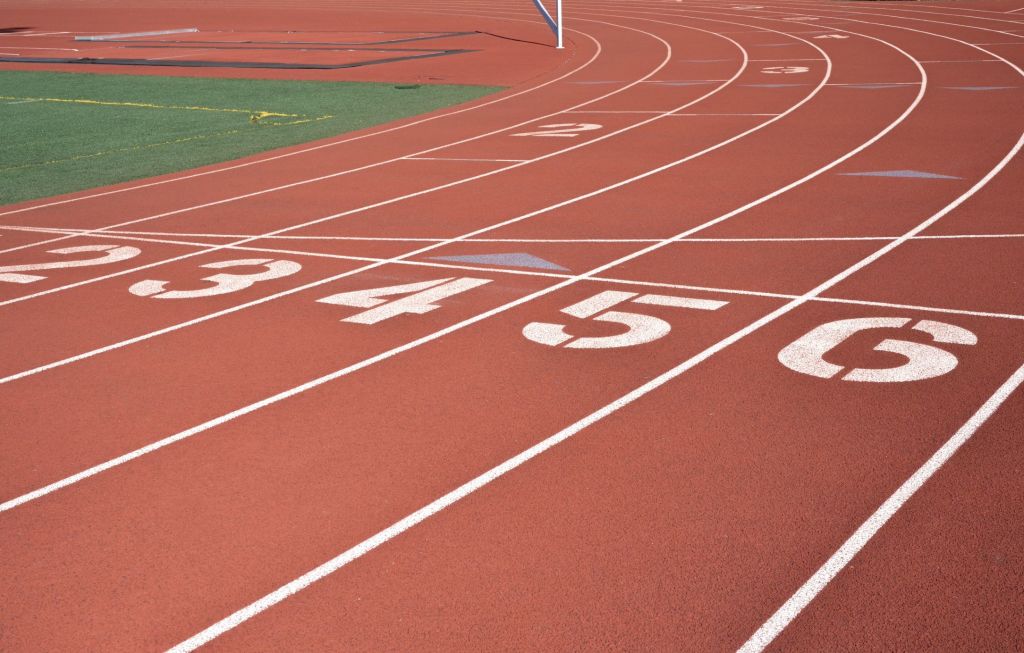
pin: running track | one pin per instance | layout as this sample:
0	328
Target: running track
760	390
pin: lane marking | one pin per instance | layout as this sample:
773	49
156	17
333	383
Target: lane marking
842	557
583	241
439	158
128	35
534	273
446	500
191	175
367	545
428	190
922	20
96	469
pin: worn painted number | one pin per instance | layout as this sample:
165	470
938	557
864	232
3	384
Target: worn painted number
111	254
420	298
807	355
641	328
224	283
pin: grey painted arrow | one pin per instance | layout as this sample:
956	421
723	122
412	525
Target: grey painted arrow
912	174
512	259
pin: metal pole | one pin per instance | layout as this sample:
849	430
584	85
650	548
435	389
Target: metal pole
558	13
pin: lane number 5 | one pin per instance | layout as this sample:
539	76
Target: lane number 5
641	328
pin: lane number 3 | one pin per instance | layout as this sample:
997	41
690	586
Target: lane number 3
224	282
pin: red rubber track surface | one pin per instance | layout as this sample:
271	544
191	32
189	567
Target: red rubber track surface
254	470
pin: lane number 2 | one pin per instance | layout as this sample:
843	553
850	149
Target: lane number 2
641	328
562	129
111	254
223	283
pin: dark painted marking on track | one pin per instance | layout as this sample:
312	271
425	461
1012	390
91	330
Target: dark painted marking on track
979	88
771	85
695	83
187	63
441	35
514	259
299	47
905	174
874	86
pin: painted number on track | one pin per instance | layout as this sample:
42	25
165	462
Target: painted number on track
224	283
807	355
111	254
641	328
562	129
422	299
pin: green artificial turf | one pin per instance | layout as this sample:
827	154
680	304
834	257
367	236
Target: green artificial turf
62	132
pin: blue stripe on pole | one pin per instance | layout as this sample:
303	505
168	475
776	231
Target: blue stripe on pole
547	16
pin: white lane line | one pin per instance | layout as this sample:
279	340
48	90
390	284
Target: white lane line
332	143
392	200
214	248
251	610
579	241
892	125
724	114
961	15
1013	11
178	56
367	545
964	61
442	158
564	203
921	20
120	460
606	111
810	59
550	275
842	557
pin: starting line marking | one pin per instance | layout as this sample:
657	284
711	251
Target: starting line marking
498	270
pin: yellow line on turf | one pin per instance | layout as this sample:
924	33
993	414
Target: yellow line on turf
254	114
